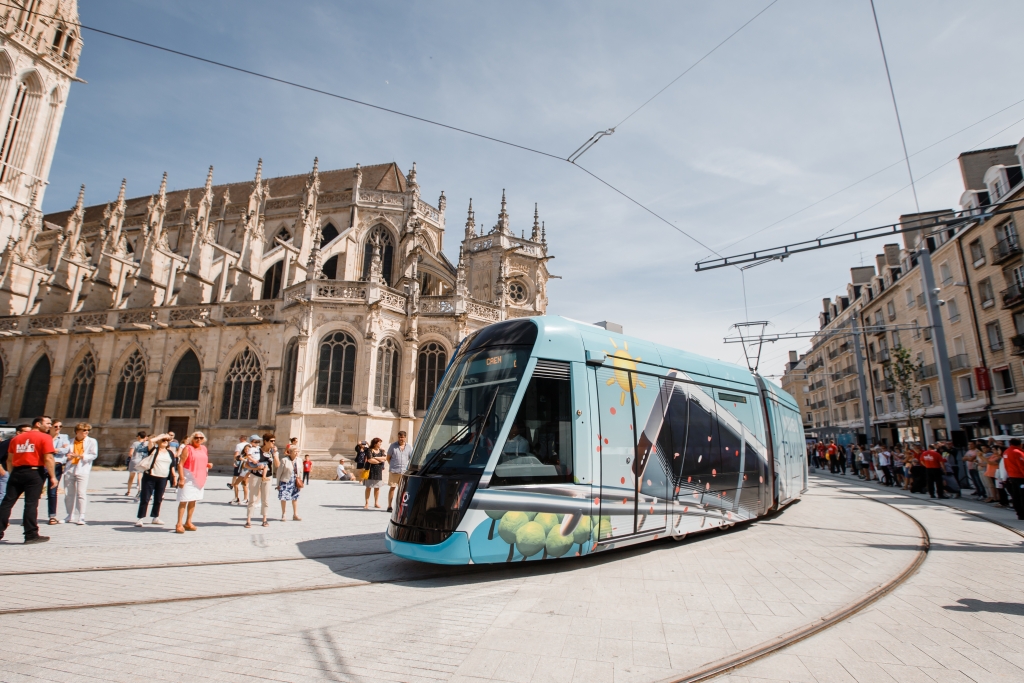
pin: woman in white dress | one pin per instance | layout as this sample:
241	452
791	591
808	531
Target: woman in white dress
193	465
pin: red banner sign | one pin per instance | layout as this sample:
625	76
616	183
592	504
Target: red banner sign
982	379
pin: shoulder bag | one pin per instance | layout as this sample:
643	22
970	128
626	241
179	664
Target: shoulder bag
146	464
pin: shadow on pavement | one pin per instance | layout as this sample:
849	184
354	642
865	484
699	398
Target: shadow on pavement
972	605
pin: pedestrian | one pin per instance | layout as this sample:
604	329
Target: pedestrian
897	466
174	447
987	464
842	459
865	463
136	452
918	472
375	460
260	475
5	473
340	473
156	473
84	450
884	462
933	463
61	448
307	466
1013	461
238	474
30	455
399	454
193	466
289	483
293	445
819	455
971	458
1002	494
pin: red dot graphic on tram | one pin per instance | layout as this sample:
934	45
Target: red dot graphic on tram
606	441
612	410
622	480
714	473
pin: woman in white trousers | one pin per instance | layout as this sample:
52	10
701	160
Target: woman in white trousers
84	450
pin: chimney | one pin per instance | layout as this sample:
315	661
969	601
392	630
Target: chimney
892	255
792	357
862	274
825	304
880	263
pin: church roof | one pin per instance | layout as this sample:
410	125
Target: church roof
378	177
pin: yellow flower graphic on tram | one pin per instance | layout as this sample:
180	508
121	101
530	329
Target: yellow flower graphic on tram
623	364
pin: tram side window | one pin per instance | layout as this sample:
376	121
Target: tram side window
672	439
539	445
701	442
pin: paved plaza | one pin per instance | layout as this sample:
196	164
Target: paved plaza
321	599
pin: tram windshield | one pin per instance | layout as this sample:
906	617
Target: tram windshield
470	408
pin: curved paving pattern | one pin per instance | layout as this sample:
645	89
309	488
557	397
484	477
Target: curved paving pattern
646	614
959	618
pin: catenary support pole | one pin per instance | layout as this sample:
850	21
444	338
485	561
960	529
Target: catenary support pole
924	259
861	379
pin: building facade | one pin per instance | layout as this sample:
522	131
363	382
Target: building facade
318	306
39	50
979	276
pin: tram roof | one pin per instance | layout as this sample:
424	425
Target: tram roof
567	339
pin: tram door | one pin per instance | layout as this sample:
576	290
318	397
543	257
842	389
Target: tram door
629	405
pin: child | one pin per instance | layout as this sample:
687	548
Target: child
252	462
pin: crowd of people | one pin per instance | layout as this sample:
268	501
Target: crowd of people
993	471
41	454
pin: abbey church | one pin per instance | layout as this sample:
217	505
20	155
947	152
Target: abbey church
320	306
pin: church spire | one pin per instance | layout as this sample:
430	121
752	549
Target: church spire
502	226
535	235
543	233
470	221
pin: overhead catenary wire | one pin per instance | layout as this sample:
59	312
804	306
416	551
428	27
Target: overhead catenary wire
892	92
353	100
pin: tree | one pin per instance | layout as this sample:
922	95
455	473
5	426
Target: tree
902	372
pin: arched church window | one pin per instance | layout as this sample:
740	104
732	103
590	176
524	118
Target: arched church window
58	37
36	390
429	367
336	370
272	281
386	385
517	292
185	379
69	45
82	384
381	237
284	235
328	234
131	386
330	268
242	387
288	371
18	130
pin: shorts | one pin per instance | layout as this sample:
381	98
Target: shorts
394	478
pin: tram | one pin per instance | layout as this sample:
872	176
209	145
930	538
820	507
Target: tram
550	438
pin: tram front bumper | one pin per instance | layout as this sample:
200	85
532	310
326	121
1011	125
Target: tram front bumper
453	550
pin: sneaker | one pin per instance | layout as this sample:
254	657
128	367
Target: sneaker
140	522
80	522
67	520
157	521
37	539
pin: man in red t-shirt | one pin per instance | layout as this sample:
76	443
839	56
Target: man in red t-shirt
30	460
1013	461
933	461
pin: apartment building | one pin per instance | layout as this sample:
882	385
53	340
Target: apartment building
794	382
979	275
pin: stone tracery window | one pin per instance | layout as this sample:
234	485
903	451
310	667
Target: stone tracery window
185	379
381	237
131	386
36	389
82	384
272	281
517	292
18	132
242	387
288	372
386	384
429	367
336	370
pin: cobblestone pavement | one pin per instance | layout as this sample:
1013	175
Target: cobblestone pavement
333	605
960	618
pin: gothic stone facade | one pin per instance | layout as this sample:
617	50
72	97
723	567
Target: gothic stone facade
319	306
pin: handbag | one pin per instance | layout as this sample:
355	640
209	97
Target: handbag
298	479
146	464
364	474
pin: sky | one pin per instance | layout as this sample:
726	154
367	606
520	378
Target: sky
792	109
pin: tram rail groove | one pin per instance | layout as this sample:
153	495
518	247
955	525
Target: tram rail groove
728	664
179	565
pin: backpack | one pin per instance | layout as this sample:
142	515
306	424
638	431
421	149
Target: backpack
361	460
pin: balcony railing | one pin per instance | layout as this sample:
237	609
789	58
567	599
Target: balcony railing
815	365
1018	344
848	396
845	372
883	385
1012	296
959	362
817	385
927	371
1006	249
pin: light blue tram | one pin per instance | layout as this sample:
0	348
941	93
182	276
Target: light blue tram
552	438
